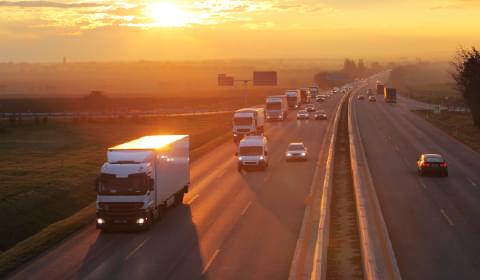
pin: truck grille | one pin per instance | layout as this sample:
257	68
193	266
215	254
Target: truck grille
114	207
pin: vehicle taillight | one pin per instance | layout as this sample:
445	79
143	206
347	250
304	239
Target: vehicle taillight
426	164
444	164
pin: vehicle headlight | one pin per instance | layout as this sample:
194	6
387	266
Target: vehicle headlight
235	135
240	158
100	221
304	154
140	221
262	158
289	154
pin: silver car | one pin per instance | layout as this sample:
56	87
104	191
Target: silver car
296	151
303	115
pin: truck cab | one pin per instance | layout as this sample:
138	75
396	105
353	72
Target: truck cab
252	153
276	107
247	121
293	99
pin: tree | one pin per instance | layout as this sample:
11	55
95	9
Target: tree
361	69
467	76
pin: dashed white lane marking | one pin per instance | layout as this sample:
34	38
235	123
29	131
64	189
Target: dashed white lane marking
193	199
266	178
136	249
221	173
422	184
450	222
246	208
210	261
473	183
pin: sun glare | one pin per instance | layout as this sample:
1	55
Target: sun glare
167	15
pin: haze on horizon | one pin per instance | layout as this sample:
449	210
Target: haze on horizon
39	31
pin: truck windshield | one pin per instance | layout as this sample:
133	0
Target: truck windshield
242	121
134	184
251	151
274	106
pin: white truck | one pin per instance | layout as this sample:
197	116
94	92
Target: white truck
141	179
293	99
252	153
276	107
247	121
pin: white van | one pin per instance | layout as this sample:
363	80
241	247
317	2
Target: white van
252	153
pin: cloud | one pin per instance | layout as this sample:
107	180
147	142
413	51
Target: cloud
48	4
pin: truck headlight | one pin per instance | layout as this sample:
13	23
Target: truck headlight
240	158
140	221
289	154
304	154
262	158
100	221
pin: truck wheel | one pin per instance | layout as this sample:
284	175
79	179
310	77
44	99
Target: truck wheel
179	198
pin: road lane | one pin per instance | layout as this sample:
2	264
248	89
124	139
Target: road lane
235	225
434	223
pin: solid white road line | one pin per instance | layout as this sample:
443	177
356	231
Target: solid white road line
210	261
136	249
450	222
422	183
193	199
246	208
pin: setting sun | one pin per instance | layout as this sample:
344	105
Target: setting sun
167	15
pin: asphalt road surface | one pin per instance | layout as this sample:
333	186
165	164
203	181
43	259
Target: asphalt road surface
433	222
233	225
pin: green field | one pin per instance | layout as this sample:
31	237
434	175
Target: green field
458	125
47	171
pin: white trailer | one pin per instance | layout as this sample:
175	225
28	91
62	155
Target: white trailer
248	121
293	99
141	179
276	107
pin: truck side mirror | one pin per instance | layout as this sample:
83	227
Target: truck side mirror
266	153
236	154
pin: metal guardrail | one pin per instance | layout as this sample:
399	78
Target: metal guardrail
378	257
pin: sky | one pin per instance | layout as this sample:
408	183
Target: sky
125	30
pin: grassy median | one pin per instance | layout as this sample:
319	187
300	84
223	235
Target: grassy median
47	173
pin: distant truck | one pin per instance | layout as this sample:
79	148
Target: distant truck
247	121
141	179
276	107
293	99
314	91
380	88
390	95
305	95
252	153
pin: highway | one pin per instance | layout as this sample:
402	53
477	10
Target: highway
232	225
433	222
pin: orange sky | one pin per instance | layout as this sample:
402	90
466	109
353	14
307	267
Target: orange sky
211	29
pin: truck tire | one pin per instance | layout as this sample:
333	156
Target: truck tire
179	198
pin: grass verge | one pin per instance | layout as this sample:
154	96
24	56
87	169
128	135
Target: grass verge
457	125
53	233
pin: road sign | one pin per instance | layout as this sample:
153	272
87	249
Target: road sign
224	80
266	78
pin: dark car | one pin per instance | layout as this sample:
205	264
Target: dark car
310	108
432	164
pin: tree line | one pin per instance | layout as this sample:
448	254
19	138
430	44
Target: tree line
351	70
